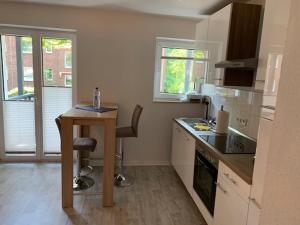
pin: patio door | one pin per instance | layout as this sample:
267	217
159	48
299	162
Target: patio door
36	86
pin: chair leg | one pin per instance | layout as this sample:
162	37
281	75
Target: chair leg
81	182
120	179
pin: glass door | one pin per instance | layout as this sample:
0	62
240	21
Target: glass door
18	95
36	68
56	88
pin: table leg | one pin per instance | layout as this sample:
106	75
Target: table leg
67	162
109	161
84	132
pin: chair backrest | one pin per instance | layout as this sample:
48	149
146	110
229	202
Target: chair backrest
135	119
58	123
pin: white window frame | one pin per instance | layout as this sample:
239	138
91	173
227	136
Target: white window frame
65	79
26	77
161	43
37	33
65	61
214	54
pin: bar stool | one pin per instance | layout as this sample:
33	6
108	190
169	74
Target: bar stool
123	132
80	182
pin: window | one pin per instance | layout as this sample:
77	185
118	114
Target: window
28	74
26	44
68	59
68	80
175	64
48	74
48	48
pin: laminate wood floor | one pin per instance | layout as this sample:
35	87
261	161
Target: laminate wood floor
30	195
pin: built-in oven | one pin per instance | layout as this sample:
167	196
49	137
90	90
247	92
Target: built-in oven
205	177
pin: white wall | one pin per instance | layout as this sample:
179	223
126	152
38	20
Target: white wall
116	52
240	104
281	201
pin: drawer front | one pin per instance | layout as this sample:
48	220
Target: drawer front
253	214
237	183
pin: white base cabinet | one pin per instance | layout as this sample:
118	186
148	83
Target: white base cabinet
232	198
183	155
253	214
230	208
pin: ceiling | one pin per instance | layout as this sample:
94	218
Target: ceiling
182	8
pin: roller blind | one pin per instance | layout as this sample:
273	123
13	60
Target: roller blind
19	126
56	100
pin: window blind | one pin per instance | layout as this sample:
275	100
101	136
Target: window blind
56	100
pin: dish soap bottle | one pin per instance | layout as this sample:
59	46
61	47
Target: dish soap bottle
96	98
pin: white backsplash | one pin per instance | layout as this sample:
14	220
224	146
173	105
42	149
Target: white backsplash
243	106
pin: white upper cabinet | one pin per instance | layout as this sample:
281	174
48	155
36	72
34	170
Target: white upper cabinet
234	31
201	30
275	22
218	31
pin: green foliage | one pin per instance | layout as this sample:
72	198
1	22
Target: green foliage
175	69
47	43
48	74
14	92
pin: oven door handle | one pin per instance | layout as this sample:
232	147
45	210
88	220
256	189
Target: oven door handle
202	163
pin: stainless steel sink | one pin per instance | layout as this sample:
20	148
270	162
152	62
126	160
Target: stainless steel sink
192	122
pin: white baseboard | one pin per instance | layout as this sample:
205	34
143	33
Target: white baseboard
98	162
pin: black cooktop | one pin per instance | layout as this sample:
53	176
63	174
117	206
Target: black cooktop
231	143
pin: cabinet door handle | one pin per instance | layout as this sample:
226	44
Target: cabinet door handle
229	178
226	175
253	200
221	188
178	129
233	181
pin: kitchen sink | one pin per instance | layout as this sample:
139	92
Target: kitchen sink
197	124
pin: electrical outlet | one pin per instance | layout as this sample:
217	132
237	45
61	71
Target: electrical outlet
242	122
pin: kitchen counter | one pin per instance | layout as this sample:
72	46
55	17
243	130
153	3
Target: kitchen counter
241	164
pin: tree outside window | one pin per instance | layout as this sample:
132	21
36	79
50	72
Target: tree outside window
178	67
26	44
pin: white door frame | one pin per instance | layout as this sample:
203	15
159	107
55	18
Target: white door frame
37	33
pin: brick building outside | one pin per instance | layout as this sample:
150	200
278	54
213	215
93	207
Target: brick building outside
57	65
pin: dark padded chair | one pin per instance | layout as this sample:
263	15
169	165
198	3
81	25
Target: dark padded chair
125	132
80	182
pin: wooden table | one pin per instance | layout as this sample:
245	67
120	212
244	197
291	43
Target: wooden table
86	118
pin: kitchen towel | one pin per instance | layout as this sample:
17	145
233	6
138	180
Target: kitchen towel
222	121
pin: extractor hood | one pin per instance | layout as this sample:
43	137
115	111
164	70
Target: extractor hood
238	64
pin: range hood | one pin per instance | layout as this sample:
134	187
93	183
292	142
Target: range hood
238	64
